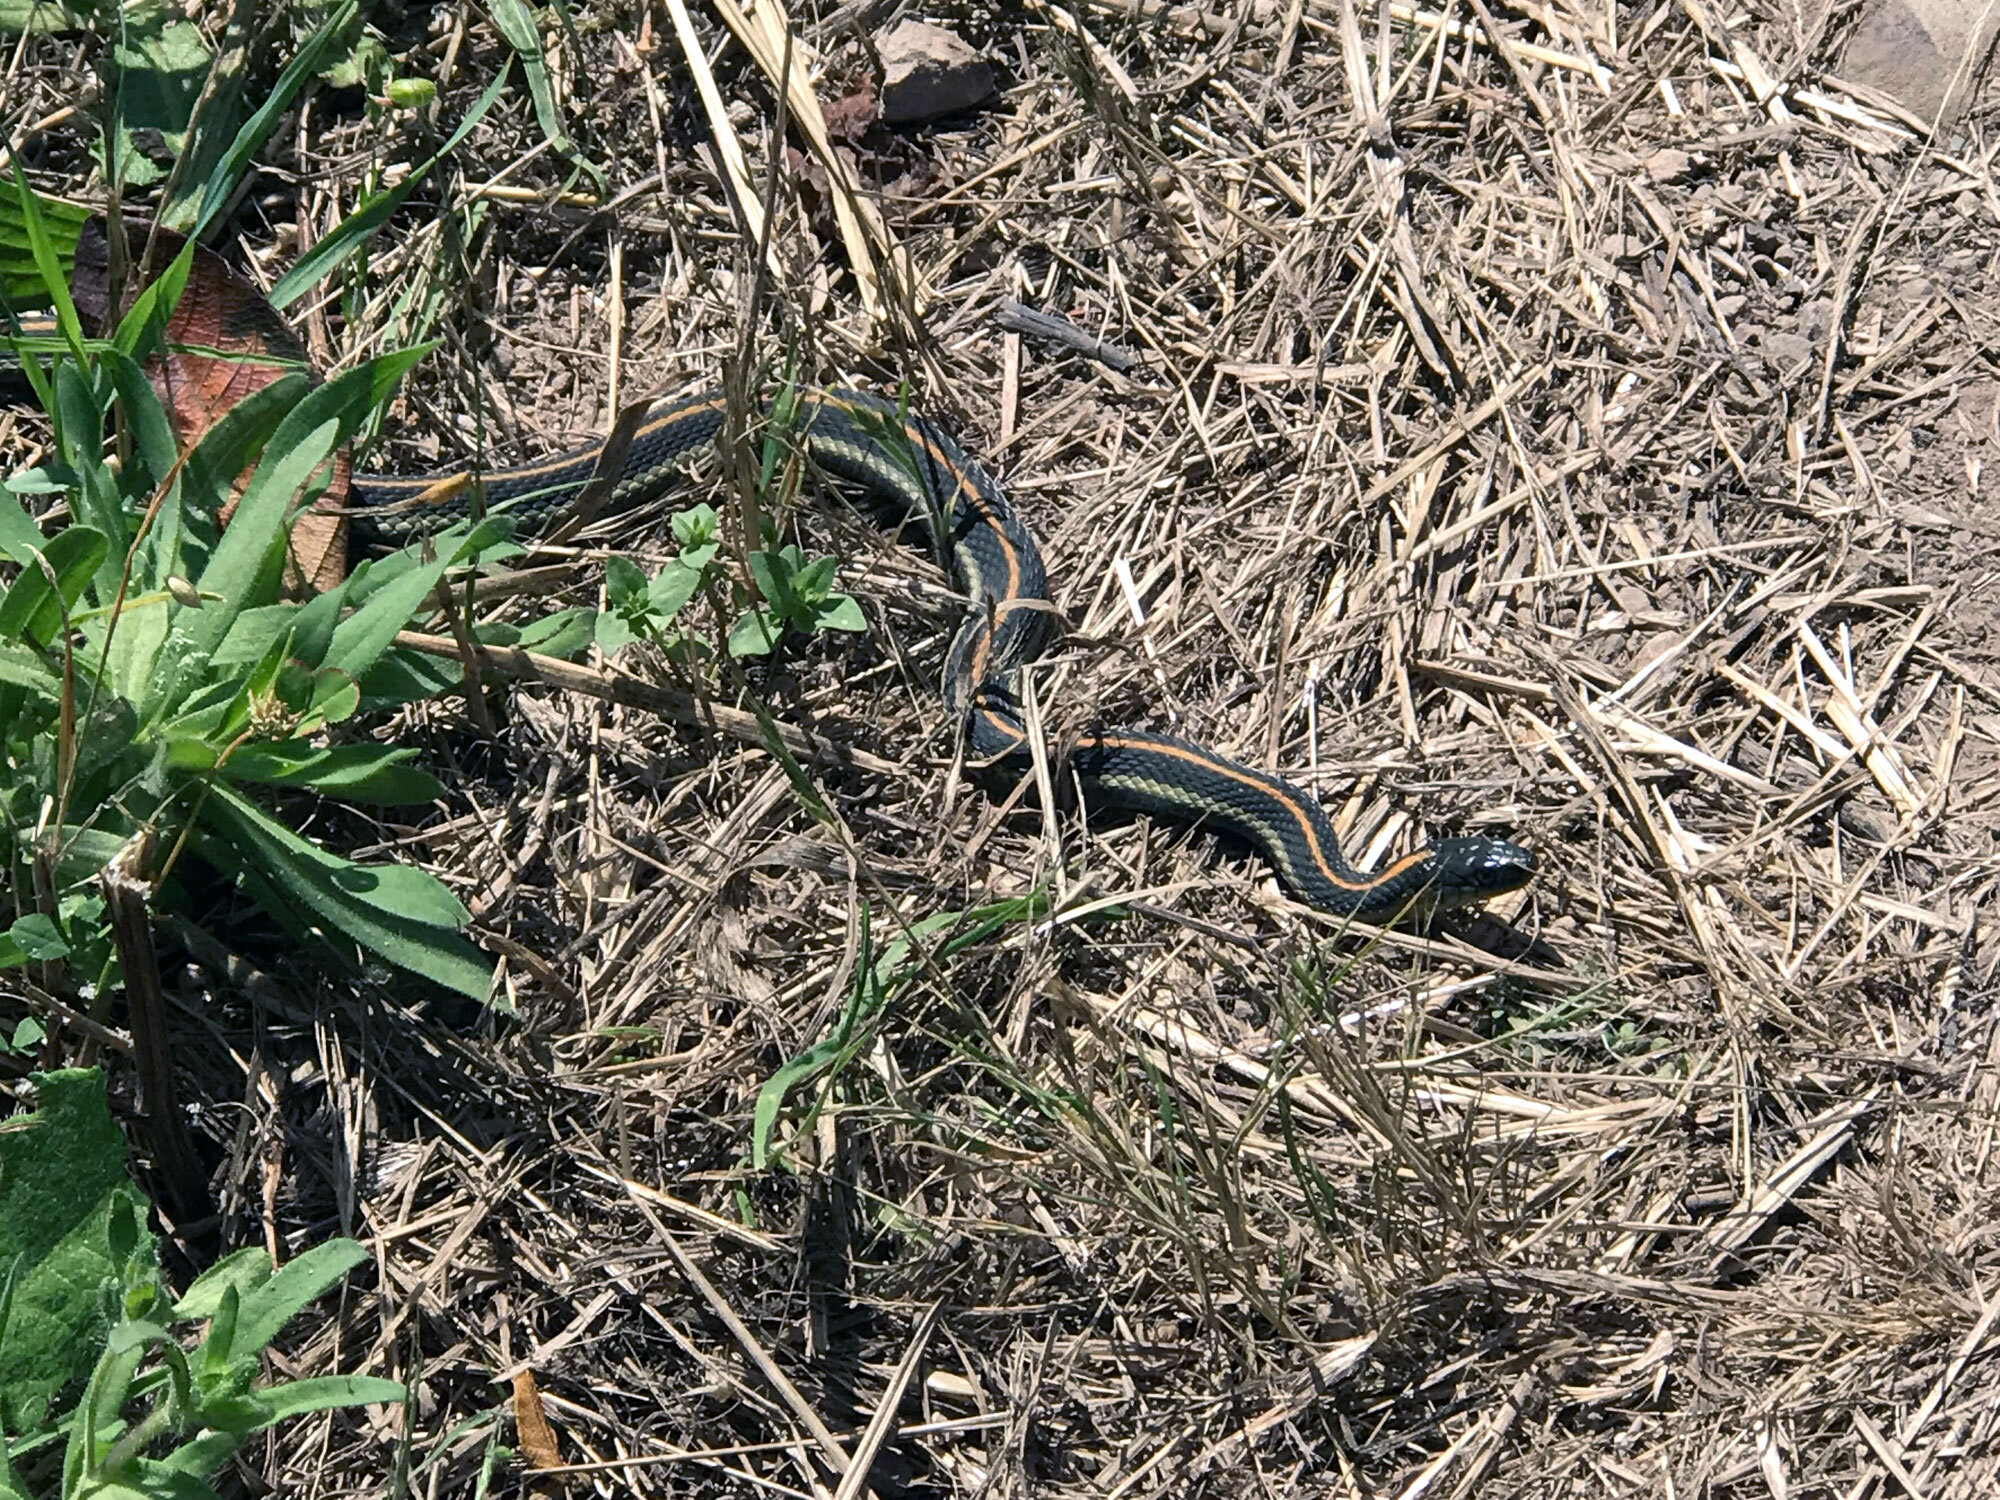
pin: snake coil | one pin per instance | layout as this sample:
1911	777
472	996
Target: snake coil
903	459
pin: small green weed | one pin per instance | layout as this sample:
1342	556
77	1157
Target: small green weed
794	592
879	978
156	681
80	1295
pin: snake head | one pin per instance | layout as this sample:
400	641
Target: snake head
1463	871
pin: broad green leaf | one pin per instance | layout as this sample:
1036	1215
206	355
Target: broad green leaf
407	677
272	1303
23	669
20	277
839	613
69	1220
564	633
84	852
32	608
361	773
755	633
773	579
38	937
672	588
614	632
624	582
97	500
226	449
103	736
409	93
695	527
200	1455
361	65
145	419
335	697
159	62
244	1269
359	640
41	479
19	536
244	567
162	1481
254	634
321	1393
815	580
313	627
402	914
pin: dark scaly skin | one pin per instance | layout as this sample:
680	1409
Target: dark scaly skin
904	459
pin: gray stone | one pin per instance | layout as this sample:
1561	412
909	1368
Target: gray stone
927	73
1787	350
1665	164
1923	53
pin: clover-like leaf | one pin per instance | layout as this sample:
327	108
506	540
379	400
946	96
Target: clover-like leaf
839	612
695	526
755	633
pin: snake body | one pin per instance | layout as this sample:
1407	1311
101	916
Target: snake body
904	460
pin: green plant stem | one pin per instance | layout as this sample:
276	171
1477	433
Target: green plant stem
135	1441
187	823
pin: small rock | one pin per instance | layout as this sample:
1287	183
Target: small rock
1914	50
1666	164
927	73
1787	350
1978	407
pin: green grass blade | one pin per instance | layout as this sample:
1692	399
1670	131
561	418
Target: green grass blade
32	608
875	985
516	23
322	1393
356	228
21	282
51	265
220	184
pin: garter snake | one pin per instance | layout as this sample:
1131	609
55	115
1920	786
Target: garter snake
905	461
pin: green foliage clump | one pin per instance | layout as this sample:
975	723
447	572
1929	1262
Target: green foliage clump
80	1300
